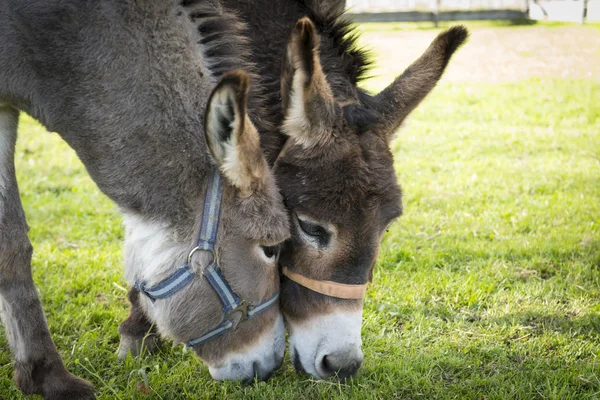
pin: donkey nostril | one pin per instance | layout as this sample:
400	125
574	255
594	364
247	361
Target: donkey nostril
259	374
349	370
327	367
342	370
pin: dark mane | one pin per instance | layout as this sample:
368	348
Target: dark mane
357	60
225	46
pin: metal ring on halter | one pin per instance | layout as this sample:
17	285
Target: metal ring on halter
195	249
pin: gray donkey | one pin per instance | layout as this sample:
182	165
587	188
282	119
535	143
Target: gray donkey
328	140
125	85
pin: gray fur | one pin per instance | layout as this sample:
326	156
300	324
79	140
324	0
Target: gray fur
125	86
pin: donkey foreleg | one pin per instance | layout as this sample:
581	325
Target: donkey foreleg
138	335
38	366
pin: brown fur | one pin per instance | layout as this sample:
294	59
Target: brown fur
334	168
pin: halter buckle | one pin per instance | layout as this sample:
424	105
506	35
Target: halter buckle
241	308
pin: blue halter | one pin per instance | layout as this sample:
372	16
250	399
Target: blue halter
184	275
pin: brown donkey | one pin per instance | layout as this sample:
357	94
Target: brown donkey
329	141
332	163
123	83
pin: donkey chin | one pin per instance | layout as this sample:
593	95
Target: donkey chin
327	345
257	361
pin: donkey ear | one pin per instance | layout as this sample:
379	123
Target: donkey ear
308	102
231	137
396	101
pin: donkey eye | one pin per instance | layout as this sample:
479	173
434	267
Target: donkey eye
312	229
315	231
270	251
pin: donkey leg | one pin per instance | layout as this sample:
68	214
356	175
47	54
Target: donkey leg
137	333
38	366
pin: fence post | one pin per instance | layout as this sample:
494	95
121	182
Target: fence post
436	12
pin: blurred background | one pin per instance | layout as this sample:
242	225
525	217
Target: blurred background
444	10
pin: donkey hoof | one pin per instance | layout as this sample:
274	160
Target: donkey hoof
52	381
137	345
73	388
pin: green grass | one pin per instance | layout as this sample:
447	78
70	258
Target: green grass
487	288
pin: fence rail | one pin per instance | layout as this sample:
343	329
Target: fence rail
379	6
452	10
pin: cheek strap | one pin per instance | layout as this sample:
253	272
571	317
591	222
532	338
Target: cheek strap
328	288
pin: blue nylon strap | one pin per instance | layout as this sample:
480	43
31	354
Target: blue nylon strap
229	299
207	239
213	333
252	311
170	285
227	324
212	212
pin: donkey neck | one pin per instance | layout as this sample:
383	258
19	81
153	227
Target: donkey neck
124	85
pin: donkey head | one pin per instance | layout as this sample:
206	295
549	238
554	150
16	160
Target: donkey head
337	176
252	223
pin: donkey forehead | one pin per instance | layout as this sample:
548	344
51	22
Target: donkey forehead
262	216
360	182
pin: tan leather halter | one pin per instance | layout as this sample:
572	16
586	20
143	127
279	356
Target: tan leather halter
329	288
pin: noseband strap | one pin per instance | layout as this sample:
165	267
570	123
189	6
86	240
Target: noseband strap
328	288
207	239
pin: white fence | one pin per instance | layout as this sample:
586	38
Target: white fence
377	6
433	10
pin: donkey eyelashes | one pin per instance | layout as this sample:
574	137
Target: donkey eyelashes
315	232
312	230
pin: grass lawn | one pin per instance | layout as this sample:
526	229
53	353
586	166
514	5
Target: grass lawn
487	288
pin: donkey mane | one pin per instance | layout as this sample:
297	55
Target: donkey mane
225	46
357	60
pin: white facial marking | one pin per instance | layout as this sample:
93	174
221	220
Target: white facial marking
266	355
336	335
150	252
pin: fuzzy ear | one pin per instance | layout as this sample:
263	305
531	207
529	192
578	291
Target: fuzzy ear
308	102
396	101
231	137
